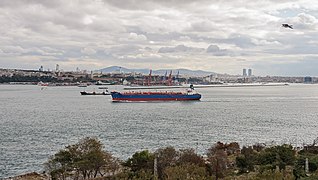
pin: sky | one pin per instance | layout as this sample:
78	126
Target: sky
213	35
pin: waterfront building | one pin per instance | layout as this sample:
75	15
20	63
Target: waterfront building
57	68
244	72
249	72
308	79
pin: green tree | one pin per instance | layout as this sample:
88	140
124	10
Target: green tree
217	157
84	159
165	157
277	156
60	165
242	163
188	156
246	161
140	161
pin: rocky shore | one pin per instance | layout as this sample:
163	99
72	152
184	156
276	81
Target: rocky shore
29	176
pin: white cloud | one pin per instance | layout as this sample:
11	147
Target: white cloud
88	19
133	37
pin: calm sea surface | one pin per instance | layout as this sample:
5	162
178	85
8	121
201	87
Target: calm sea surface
35	123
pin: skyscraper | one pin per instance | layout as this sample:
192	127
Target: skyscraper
249	73
244	72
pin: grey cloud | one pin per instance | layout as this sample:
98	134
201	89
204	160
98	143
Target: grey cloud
124	49
13	50
148	49
305	21
243	41
215	50
305	66
179	48
152	4
203	26
45	51
17	3
88	51
106	31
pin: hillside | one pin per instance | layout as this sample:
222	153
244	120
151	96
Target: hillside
187	72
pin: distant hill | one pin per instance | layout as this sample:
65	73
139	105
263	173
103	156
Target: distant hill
188	72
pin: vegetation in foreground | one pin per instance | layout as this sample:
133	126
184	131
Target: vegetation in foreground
87	160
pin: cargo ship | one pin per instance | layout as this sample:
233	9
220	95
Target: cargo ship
155	96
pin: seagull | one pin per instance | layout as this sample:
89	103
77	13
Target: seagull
287	26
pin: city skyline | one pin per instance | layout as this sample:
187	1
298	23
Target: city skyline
217	36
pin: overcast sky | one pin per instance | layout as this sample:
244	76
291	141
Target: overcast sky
214	35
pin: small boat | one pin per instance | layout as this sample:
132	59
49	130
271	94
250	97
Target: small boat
43	84
98	83
94	93
155	96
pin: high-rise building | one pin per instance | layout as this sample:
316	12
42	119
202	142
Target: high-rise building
41	68
244	72
249	72
57	68
308	79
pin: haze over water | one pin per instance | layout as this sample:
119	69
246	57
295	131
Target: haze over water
37	123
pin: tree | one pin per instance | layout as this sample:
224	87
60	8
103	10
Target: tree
242	163
166	157
84	159
60	165
277	156
140	161
188	156
217	157
246	161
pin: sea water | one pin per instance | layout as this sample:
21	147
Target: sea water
37	122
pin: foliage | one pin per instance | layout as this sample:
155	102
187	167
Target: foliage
246	161
231	148
277	156
140	161
270	175
188	156
218	161
242	164
84	159
20	78
185	171
165	157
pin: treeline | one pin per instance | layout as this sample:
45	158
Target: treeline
20	78
87	160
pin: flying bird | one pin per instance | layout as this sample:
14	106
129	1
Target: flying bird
287	26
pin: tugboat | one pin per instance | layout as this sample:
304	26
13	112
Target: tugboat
95	93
